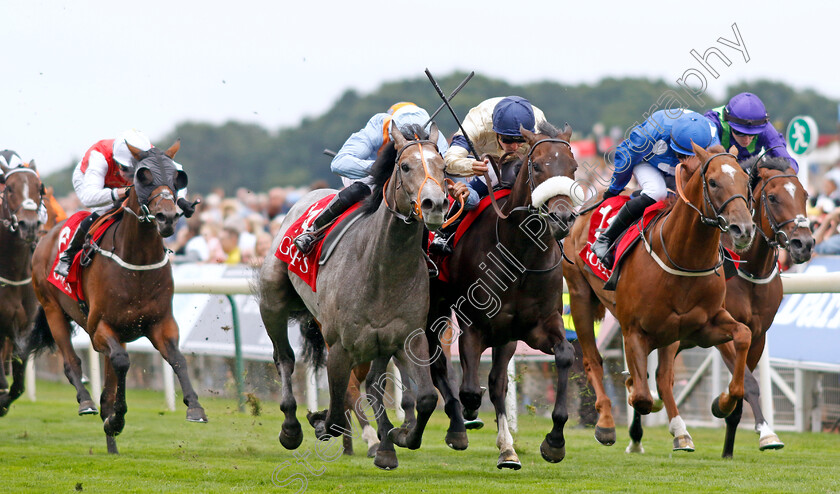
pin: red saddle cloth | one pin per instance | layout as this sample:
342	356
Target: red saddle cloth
600	219
469	219
306	267
72	285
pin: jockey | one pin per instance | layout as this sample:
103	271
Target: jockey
651	154
102	180
493	128
356	156
744	123
10	160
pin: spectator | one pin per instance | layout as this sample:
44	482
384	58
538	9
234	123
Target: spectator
229	240
827	235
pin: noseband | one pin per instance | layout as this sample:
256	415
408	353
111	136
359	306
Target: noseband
780	238
10	220
718	220
416	213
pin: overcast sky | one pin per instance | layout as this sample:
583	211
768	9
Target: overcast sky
78	71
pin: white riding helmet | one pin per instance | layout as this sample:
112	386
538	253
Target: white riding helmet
410	114
122	154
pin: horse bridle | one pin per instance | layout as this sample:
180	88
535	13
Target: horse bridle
10	220
780	238
416	213
718	220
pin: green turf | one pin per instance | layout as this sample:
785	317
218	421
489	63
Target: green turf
46	447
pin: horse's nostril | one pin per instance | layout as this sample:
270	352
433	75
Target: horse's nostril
796	244
161	217
427	204
735	229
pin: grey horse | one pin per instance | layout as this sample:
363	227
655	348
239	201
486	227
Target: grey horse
372	296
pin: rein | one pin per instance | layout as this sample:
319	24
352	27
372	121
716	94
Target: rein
718	221
531	185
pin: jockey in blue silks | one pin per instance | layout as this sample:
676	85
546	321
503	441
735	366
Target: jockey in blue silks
651	155
355	158
744	123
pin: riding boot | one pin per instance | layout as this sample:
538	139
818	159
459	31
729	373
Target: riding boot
357	191
65	260
440	244
629	214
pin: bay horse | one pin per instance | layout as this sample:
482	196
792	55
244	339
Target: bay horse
371	295
128	289
505	285
658	304
753	296
19	226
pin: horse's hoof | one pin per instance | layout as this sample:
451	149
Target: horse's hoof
386	460
372	451
717	411
5	404
684	443
658	405
508	459
196	414
111	428
397	436
314	417
457	440
770	442
87	407
605	435
642	406
634	447
474	425
4	411
111	442
291	437
471	415
552	454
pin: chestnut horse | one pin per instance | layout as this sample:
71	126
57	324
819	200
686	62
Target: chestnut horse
128	288
519	298
18	234
372	296
754	296
682	300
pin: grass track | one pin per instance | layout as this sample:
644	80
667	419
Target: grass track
46	447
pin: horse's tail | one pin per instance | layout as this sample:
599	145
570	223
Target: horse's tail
40	338
314	346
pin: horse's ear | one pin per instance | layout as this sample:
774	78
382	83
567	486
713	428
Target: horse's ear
180	179
527	134
31	166
136	152
734	152
396	135
173	149
433	133
5	170
566	133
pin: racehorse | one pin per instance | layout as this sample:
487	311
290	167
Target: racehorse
128	289
18	234
508	270
753	296
656	303
371	295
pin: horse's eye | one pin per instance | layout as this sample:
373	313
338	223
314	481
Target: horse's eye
772	198
712	183
404	167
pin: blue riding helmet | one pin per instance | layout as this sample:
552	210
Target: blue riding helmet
690	127
510	113
746	114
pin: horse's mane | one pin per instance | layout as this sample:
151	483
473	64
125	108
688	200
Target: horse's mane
383	167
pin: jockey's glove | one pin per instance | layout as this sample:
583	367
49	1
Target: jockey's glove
186	206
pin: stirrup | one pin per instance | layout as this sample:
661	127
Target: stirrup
305	242
440	246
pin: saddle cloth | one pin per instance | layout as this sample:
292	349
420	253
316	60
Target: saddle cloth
599	221
72	285
466	222
306	267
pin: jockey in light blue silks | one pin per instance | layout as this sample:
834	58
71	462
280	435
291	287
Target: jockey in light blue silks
356	156
744	123
651	155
